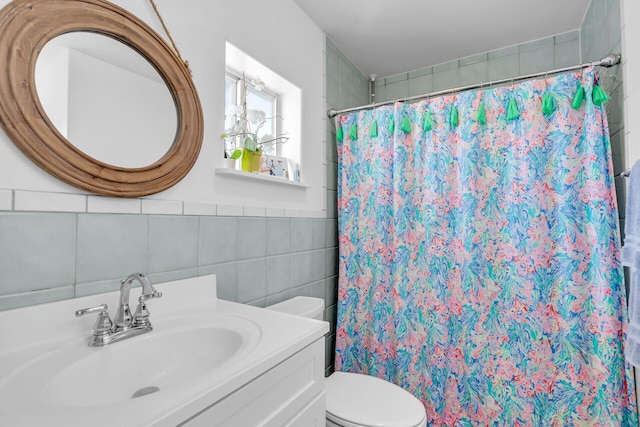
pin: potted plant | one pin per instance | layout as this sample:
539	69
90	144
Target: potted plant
241	140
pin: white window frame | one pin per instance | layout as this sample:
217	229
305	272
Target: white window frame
273	120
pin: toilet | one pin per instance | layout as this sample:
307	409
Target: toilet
357	400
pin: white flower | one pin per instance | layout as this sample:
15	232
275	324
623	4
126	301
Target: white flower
257	84
255	116
266	137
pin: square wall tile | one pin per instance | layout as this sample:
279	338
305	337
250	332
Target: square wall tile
420	84
252	280
318	289
37	251
567	53
446	79
300	234
318	233
252	238
299	269
218	240
537	60
332	261
331	295
397	90
318	266
173	243
111	246
474	73
332	233
278	236
278	274
504	67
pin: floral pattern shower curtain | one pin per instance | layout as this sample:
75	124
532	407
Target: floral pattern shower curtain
479	256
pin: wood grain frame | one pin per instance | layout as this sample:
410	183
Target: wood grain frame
25	27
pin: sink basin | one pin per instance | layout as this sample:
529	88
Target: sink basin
162	361
154	362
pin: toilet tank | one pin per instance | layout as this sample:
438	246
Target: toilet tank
310	307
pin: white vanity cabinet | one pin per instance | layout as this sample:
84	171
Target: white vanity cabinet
289	394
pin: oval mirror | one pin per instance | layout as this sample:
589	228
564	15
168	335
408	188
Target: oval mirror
106	99
26	27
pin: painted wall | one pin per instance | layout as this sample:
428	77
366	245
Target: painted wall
201	28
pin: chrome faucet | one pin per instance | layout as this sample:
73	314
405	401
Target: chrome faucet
126	325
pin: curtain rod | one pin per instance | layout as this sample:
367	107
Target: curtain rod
607	61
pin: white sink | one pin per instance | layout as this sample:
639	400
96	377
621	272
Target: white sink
200	351
158	362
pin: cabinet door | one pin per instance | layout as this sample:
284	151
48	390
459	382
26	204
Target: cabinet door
276	398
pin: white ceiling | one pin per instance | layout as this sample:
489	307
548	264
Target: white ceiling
389	37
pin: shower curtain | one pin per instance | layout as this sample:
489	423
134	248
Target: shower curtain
479	255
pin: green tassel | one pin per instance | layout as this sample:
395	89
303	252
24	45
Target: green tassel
392	126
547	104
577	100
427	122
512	110
374	129
453	117
340	134
353	132
482	115
406	125
599	95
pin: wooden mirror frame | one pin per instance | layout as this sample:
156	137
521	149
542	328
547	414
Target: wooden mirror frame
25	27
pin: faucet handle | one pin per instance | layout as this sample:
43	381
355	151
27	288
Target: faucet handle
154	294
103	323
98	309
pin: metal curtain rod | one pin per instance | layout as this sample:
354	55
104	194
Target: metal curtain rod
607	61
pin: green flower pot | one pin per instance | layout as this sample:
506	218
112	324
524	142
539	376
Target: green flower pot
251	160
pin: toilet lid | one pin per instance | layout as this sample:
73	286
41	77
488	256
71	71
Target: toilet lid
363	400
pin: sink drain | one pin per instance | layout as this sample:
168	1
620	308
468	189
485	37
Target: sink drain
145	390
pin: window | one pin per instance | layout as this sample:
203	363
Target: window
271	100
262	100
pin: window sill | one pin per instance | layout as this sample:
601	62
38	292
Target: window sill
259	177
